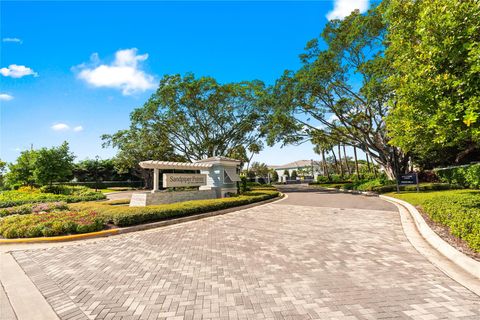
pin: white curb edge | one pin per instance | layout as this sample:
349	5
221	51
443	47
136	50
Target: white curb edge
463	261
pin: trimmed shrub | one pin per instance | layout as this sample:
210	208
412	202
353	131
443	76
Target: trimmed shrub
123	216
50	224
459	210
466	176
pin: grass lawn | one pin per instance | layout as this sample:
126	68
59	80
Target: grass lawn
459	210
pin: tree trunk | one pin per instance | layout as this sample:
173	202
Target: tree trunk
368	162
335	161
356	161
346	160
340	160
325	165
472	147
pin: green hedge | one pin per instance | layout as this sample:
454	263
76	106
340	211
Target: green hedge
376	186
466	176
123	216
459	210
16	198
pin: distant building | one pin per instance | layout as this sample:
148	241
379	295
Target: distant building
304	169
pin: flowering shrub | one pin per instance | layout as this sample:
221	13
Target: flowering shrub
48	224
34	208
28	189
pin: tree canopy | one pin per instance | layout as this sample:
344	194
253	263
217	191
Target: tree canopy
197	118
41	167
434	47
53	164
339	95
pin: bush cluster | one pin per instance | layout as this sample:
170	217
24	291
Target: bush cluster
466	176
123	216
459	210
16	198
33	208
49	224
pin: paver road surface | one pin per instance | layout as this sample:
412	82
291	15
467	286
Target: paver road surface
315	255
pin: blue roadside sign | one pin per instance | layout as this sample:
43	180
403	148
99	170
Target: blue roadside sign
407	179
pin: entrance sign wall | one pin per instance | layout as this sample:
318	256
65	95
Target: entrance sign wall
217	179
184	180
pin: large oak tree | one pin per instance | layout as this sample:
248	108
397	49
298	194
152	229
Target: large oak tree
340	93
193	118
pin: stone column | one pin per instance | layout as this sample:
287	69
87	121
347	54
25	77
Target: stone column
156	177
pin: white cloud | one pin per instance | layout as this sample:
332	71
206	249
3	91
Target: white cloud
16	71
342	8
66	127
60	127
5	97
16	40
124	73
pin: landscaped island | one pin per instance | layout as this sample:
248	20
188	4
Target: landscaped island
53	218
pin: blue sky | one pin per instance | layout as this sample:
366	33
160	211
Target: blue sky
75	70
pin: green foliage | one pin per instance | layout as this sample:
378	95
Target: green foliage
92	170
294	175
127	216
259	169
21	172
50	224
322	179
342	75
286	173
15	198
195	118
3	166
466	176
243	184
435	50
274	176
53	165
459	210
384	186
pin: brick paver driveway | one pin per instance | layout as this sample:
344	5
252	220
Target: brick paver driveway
315	255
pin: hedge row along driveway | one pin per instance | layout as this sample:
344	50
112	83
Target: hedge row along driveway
459	210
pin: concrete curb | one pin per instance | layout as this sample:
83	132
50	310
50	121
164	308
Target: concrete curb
146	226
103	233
463	261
